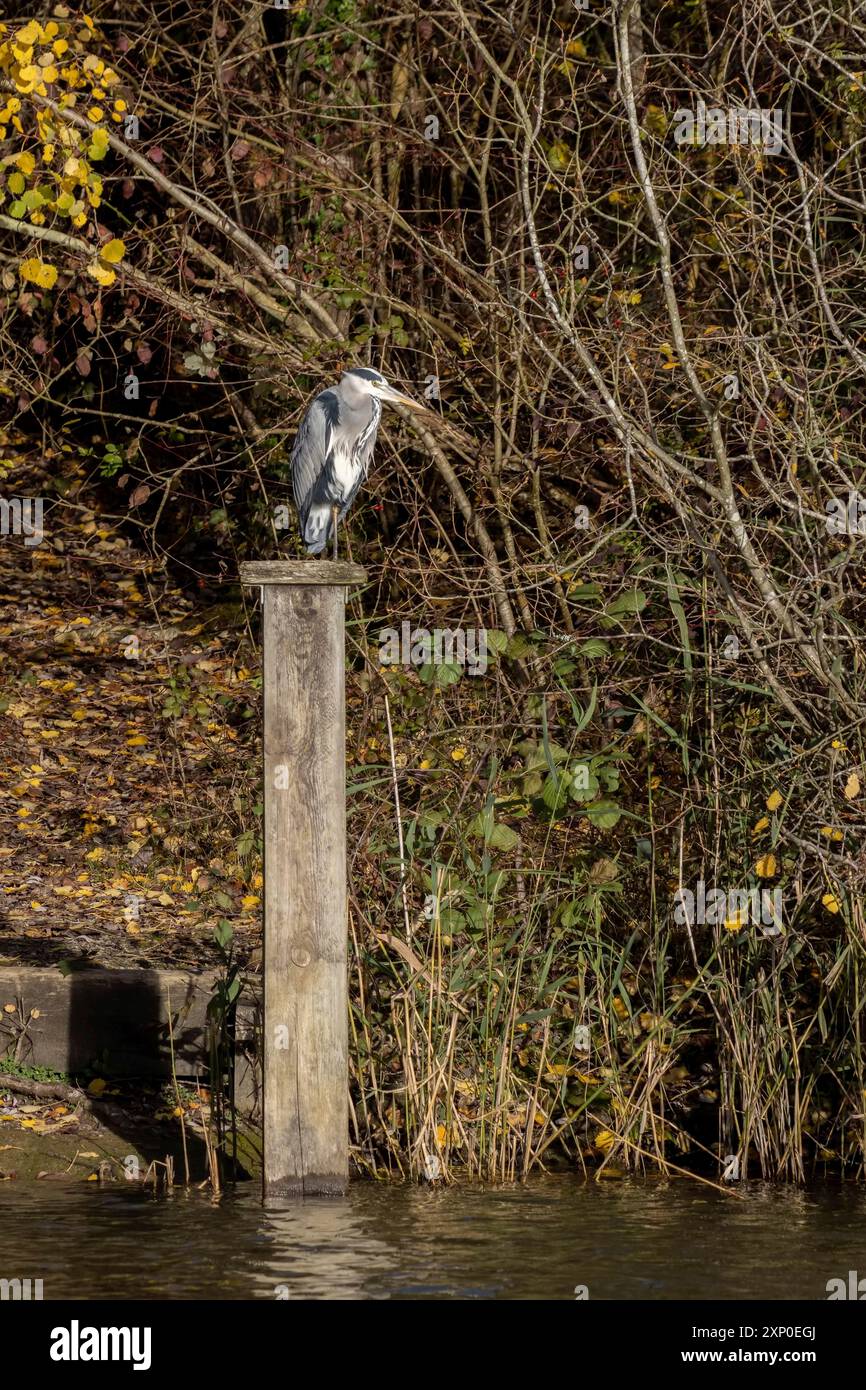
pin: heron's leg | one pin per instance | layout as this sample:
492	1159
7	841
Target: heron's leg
335	512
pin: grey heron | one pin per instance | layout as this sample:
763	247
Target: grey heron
333	449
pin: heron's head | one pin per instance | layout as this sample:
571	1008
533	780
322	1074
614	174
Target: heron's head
359	382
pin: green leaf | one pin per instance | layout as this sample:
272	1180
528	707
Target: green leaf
609	774
594	648
584	716
223	933
632	601
572	912
584	783
494	834
497	640
442	673
503	837
534	754
556	790
518	646
603	814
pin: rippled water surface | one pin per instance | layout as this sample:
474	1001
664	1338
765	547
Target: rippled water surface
629	1239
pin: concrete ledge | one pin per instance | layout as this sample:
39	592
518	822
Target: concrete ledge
118	1022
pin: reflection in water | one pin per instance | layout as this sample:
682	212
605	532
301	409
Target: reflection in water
629	1239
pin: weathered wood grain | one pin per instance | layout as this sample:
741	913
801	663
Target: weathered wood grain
301	572
306	1080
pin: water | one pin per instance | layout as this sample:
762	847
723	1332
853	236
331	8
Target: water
623	1240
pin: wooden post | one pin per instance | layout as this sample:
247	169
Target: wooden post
305	1032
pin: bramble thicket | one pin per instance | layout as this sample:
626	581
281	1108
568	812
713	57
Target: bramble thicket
647	356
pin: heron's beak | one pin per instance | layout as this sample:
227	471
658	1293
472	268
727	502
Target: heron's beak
389	394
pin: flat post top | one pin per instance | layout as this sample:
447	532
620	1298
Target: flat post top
333	572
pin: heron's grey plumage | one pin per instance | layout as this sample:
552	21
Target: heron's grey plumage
333	449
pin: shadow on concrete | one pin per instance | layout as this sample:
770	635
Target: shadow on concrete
118	1028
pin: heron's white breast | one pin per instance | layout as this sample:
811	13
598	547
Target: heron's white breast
346	467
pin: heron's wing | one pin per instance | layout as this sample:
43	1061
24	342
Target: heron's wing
313	447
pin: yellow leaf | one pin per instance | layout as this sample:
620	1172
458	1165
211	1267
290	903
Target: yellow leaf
605	1140
830	833
559	155
137	741
829	901
458	754
734	923
249	902
774	801
766	866
399	86
41	273
97	1086
99	272
113	251
761	825
852	787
